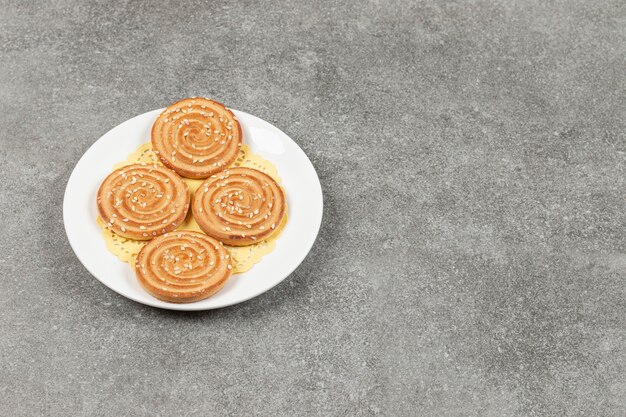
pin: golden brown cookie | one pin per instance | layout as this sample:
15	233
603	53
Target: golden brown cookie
239	206
183	267
196	137
142	201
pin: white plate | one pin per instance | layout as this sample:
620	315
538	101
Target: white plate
299	179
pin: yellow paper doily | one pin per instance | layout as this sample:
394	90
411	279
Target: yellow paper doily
244	257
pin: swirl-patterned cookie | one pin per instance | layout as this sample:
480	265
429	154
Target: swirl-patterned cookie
196	137
183	267
239	206
142	201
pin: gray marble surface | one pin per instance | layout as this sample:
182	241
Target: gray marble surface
471	261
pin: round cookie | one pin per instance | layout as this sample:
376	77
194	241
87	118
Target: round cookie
196	137
239	206
183	267
142	201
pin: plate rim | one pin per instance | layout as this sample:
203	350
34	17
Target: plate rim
154	302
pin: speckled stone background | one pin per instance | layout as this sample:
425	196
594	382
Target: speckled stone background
472	257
